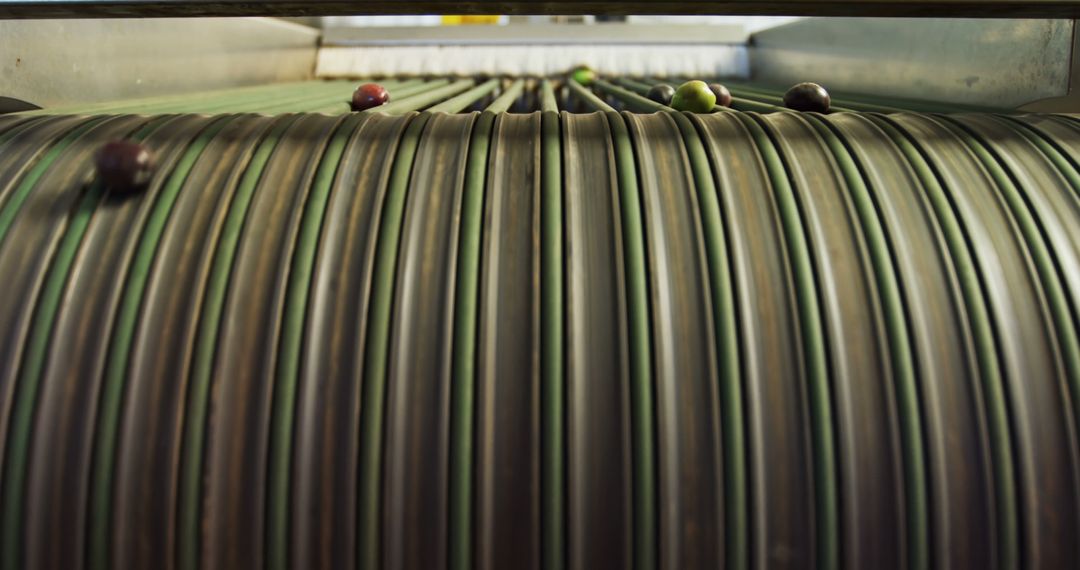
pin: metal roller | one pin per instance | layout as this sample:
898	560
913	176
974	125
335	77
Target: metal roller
540	340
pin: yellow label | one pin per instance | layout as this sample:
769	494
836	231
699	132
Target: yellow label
458	20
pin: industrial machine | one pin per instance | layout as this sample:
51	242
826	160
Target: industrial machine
511	319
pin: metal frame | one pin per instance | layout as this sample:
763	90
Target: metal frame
51	62
181	8
993	63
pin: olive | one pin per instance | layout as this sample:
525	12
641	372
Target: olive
584	75
723	96
694	96
124	166
808	97
661	93
369	95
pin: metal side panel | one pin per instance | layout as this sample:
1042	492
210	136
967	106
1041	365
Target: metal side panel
994	62
54	62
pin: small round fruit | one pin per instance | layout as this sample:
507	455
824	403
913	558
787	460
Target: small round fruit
661	93
584	75
124	166
694	96
723	96
369	95
807	97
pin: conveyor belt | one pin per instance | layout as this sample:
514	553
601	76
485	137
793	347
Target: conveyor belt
502	340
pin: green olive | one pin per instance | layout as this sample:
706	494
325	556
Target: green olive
584	76
694	96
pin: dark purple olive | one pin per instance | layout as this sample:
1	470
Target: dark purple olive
124	166
369	95
807	97
723	96
661	93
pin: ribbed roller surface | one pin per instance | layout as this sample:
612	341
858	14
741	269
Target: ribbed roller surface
541	340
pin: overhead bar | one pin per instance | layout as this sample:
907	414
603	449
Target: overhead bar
24	9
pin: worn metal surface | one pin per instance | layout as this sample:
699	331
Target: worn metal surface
315	340
597	372
37	280
49	63
782	502
508	337
331	378
1028	348
997	63
104	257
418	395
152	8
864	411
683	346
957	452
160	306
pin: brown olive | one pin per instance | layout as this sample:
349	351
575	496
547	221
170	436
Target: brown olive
124	166
723	96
